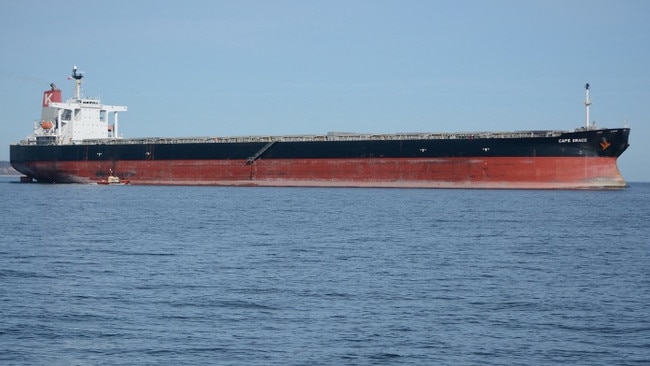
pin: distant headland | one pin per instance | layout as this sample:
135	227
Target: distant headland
7	169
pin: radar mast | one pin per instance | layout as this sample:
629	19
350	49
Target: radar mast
77	76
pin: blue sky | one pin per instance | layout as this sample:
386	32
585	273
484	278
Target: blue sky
222	68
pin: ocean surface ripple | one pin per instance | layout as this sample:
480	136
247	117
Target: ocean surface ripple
144	275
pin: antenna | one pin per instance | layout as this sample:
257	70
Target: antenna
587	103
75	74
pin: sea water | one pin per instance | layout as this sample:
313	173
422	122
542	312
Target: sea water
148	275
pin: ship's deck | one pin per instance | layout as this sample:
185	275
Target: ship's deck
332	136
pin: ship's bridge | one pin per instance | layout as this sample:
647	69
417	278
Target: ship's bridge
86	119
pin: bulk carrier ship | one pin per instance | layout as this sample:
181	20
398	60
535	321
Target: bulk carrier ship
77	141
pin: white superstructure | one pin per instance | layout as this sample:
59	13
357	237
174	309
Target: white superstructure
75	120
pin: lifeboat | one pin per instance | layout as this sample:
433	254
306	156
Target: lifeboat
46	125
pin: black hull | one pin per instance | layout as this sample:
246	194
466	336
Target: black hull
590	143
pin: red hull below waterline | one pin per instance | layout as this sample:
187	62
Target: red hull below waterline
493	172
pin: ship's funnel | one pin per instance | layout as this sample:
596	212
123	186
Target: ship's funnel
51	96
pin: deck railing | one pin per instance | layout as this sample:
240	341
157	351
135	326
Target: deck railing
333	136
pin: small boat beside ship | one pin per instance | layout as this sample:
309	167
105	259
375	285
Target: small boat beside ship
113	180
